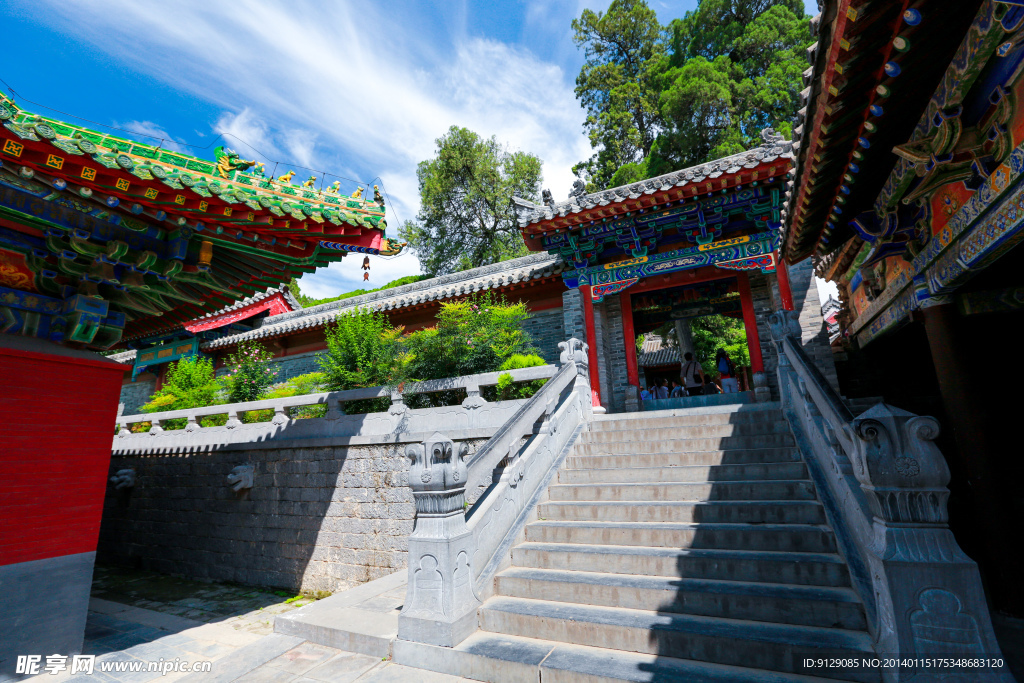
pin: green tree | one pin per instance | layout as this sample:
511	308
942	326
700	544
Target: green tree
616	85
713	332
708	84
466	217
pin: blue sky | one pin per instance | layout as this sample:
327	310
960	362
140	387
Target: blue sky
358	90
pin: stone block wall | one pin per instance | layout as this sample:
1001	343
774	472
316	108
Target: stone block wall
614	378
316	519
814	332
134	394
764	306
299	364
546	329
573	322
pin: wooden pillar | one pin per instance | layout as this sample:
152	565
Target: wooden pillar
750	324
782	273
586	291
629	337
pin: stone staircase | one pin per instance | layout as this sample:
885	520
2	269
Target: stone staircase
681	545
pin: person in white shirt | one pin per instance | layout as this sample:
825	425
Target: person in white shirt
692	375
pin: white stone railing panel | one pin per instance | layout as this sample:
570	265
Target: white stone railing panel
474	414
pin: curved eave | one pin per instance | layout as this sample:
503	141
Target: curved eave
641	197
844	144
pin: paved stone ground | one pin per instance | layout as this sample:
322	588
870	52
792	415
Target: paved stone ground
144	617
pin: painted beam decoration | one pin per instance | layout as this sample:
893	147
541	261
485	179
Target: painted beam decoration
104	240
166	353
738	253
954	203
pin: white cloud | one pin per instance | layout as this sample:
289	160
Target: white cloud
151	134
345	87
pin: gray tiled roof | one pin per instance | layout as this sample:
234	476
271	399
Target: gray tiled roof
773	147
523	269
653	353
123	356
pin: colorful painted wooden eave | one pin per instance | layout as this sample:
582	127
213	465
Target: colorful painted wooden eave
103	238
873	69
722	212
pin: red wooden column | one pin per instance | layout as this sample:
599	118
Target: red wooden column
586	291
782	273
629	337
750	324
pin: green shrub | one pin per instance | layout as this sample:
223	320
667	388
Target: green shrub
472	336
506	388
363	350
190	383
250	372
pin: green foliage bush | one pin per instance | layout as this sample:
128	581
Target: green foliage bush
506	389
714	332
190	383
250	372
363	350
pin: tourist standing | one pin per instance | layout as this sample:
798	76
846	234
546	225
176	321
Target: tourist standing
692	375
662	389
677	390
727	372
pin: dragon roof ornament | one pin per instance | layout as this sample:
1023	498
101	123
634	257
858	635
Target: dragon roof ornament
773	147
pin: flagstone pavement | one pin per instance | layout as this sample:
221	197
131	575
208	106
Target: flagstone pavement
144	617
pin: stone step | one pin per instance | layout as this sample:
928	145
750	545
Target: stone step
627	475
721	443
641	422
807	569
783	603
750	512
686	432
784	489
747	456
733	642
797	538
486	656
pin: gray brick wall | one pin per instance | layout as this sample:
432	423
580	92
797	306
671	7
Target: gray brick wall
814	332
614	378
316	519
299	364
134	394
573	323
546	329
761	295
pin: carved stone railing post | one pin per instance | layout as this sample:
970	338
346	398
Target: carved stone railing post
576	351
928	592
440	606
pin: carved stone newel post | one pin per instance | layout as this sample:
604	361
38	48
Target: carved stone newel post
440	606
576	351
928	592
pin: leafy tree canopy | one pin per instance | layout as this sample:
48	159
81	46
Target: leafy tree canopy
466	217
701	88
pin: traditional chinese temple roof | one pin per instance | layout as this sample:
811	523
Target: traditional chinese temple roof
873	69
654	353
105	237
756	165
506	275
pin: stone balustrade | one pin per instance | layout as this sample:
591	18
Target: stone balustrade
883	483
474	418
455	549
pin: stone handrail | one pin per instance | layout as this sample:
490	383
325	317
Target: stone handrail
882	481
474	418
334	399
455	550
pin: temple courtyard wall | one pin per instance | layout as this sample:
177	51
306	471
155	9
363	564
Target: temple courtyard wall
316	518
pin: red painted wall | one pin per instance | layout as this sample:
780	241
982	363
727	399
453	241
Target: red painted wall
55	438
